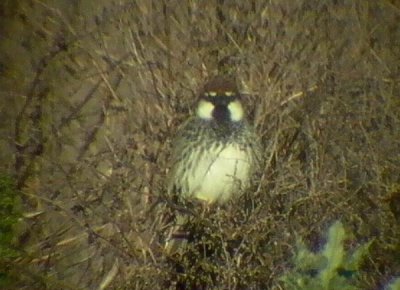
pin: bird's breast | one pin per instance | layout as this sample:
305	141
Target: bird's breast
219	172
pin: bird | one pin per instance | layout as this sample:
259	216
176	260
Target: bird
216	152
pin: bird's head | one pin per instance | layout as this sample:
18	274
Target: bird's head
220	101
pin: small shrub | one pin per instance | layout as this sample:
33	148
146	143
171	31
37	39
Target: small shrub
331	268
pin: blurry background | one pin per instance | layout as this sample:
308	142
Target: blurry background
93	91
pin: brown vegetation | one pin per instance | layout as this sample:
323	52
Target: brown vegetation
93	91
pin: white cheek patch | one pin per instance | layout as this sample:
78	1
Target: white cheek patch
205	110
236	110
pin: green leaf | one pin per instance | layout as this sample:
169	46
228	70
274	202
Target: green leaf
395	285
358	255
334	252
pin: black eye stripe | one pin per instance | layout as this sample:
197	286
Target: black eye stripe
216	97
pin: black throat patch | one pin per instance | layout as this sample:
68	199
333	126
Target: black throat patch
221	114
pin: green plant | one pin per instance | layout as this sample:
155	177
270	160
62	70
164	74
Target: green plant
395	285
331	268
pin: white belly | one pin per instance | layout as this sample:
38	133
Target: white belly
219	173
